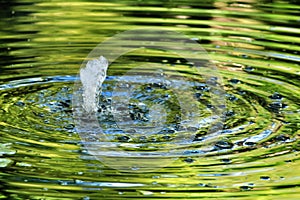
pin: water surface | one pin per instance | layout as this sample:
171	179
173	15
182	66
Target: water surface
255	47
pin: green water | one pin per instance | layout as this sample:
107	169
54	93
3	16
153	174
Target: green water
255	48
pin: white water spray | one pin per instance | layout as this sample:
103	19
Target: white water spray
92	77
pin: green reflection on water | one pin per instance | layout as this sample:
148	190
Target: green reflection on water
256	42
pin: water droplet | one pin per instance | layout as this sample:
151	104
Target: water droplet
205	185
249	143
229	113
166	137
201	87
156	177
4	162
198	137
123	138
245	187
135	168
265	178
198	95
276	96
226	160
232	97
234	81
188	160
63	183
69	126
209	106
78	181
159	85
224	144
167	130
144	192
23	164
276	106
4	149
282	138
143	138
20	103
248	69
192	129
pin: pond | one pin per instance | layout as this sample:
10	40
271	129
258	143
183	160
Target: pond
194	99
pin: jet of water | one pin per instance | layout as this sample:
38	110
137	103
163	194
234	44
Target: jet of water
92	77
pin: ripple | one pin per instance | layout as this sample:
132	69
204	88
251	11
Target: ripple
253	153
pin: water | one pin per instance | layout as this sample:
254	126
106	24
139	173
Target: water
254	154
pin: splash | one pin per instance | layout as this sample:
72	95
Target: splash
92	77
149	113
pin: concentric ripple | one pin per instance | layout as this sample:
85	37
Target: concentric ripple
252	154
